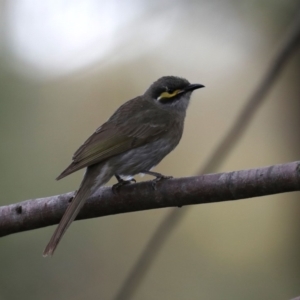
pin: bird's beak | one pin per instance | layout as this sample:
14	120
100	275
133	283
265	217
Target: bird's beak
193	87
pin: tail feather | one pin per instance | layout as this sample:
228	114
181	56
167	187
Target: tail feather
69	216
89	185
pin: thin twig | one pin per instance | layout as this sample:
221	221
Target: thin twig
287	47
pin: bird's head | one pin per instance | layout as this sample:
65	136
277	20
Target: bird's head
171	91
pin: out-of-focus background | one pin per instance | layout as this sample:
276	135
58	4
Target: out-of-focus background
65	66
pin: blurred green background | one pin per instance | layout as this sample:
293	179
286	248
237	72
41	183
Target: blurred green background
65	66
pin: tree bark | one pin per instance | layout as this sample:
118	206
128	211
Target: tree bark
177	192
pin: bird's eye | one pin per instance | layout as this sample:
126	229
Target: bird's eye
168	94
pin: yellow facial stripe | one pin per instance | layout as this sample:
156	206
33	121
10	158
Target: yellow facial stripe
168	95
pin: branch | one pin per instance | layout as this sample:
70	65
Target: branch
37	213
287	47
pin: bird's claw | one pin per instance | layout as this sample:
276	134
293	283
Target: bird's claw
116	187
157	179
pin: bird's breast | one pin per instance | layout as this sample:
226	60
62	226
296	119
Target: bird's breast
146	156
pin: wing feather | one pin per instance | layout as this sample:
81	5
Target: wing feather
127	128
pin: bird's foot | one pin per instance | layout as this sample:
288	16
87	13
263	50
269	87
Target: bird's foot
121	182
158	178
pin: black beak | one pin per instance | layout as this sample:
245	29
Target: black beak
193	87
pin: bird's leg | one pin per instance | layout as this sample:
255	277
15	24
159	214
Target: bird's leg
121	182
158	178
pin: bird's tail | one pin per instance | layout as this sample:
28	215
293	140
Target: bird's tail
94	177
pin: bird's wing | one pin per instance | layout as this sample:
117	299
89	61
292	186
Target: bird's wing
128	128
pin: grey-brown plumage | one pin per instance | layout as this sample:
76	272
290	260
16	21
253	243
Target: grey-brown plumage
134	139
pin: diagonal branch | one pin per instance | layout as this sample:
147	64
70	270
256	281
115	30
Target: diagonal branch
37	213
287	47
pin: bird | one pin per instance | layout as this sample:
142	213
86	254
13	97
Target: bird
139	134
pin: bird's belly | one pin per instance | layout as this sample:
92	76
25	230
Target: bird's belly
142	158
